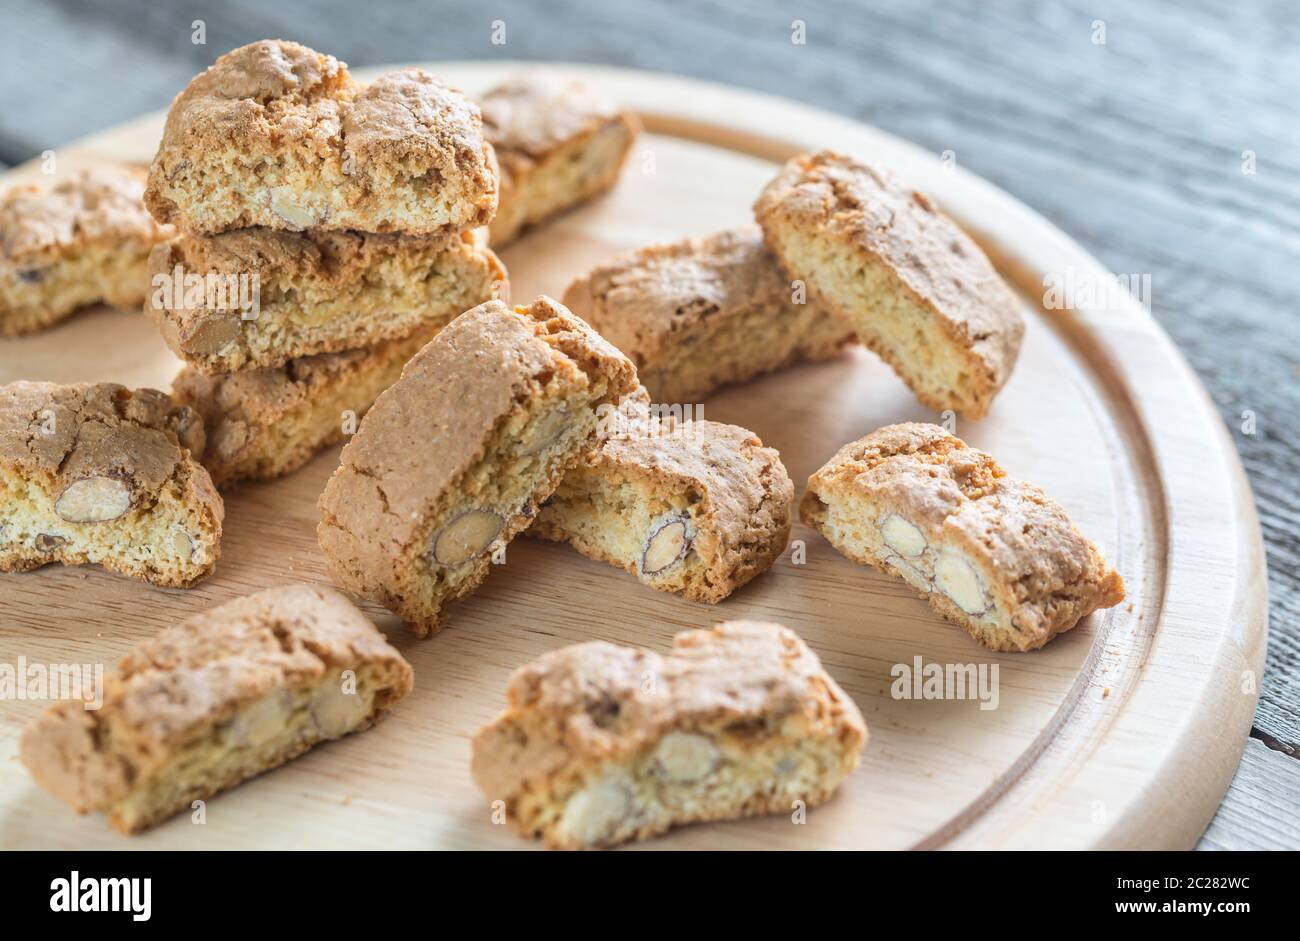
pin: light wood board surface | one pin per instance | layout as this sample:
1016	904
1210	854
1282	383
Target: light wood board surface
1123	732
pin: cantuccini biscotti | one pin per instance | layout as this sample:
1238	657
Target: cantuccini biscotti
697	314
455	457
275	134
265	423
223	696
105	475
919	291
698	508
989	552
280	295
85	240
600	744
558	143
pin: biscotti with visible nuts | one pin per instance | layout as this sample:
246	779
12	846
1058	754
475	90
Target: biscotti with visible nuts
698	314
280	295
452	460
105	475
919	291
990	553
83	241
266	423
275	134
225	695
697	508
558	143
601	744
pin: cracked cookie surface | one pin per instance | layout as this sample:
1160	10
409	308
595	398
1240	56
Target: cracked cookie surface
558	142
223	696
918	290
85	240
265	423
699	314
698	508
600	744
275	134
452	460
291	294
990	553
106	475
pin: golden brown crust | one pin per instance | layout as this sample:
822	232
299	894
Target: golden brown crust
174	688
278	135
266	423
259	297
597	706
832	202
409	459
558	143
1041	574
81	241
732	493
700	313
135	450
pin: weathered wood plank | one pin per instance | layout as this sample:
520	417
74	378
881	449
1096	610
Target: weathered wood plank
1261	810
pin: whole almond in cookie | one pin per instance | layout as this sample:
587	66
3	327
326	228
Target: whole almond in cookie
601	744
212	701
452	461
990	553
697	508
105	475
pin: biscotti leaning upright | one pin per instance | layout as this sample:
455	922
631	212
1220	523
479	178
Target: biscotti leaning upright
212	701
989	552
454	458
918	290
278	135
102	474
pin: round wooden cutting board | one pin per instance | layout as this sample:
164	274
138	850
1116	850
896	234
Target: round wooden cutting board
1121	733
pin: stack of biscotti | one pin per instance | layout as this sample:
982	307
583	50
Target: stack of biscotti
328	229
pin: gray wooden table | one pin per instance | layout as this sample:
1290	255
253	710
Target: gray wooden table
1135	146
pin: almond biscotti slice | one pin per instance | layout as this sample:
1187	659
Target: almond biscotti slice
452	461
260	297
919	291
558	143
275	134
83	241
601	744
106	475
266	423
990	553
697	508
698	314
217	699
